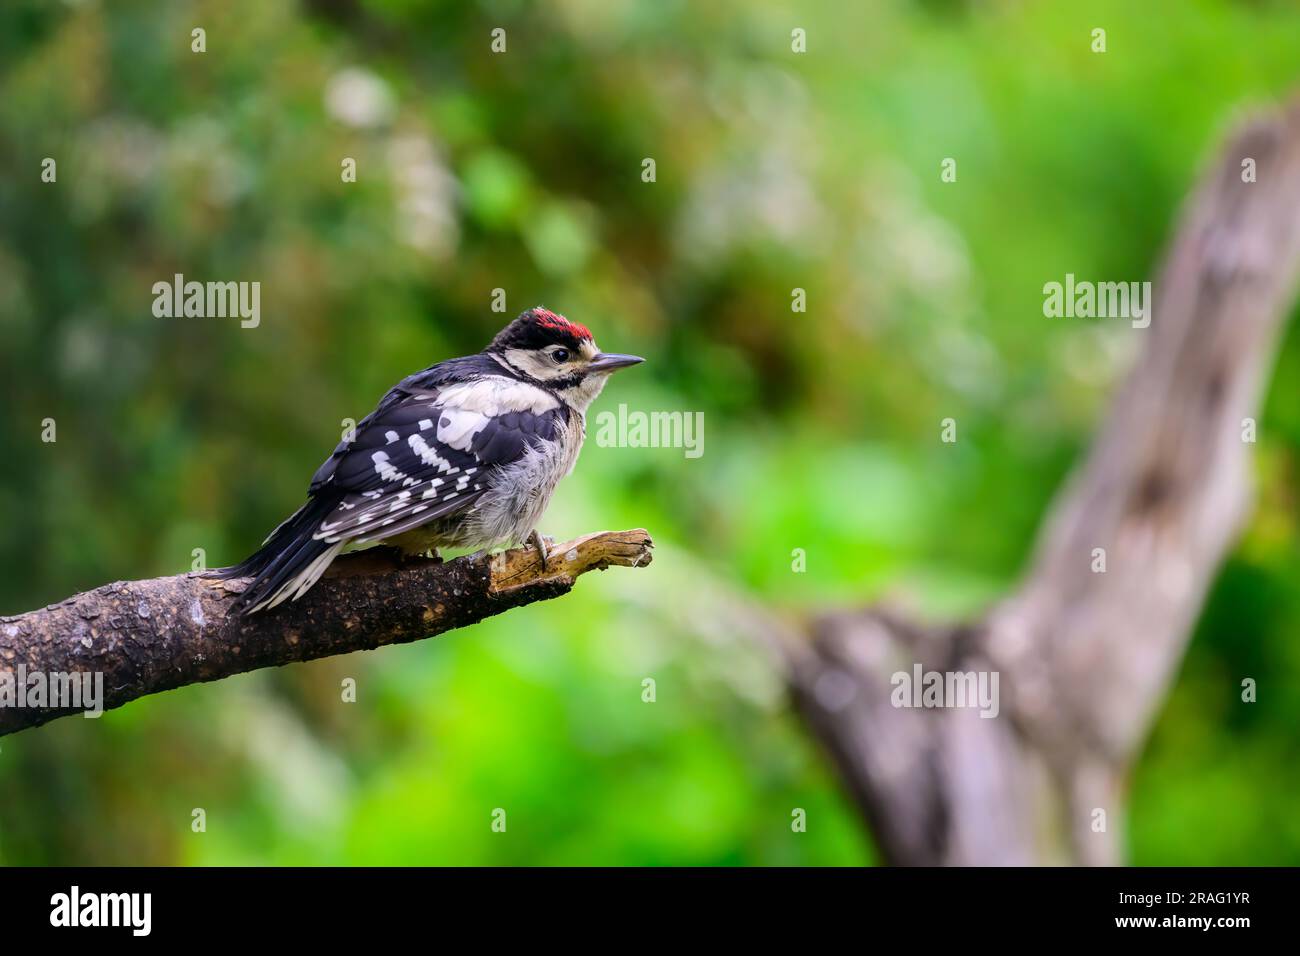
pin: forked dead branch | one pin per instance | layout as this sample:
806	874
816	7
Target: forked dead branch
1085	659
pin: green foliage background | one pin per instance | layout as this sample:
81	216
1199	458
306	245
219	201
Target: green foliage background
523	171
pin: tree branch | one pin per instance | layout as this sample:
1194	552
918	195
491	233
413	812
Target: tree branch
155	635
1085	658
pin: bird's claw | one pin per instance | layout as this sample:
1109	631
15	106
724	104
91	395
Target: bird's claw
542	543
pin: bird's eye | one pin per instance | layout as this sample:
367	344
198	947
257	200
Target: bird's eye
560	355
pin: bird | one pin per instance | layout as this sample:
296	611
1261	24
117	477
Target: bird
464	454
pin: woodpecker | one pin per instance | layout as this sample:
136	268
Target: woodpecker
466	453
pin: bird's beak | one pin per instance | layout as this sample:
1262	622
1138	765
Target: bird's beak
612	361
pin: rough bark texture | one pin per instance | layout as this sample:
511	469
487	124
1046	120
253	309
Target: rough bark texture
151	636
1084	659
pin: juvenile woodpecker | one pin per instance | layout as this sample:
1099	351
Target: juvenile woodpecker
466	453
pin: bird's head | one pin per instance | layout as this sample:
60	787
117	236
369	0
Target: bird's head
561	355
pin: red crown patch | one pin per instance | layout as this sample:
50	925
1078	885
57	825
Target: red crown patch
552	320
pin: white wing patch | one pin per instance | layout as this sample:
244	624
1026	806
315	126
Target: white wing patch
458	426
465	409
494	396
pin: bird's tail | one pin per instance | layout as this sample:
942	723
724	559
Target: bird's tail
289	562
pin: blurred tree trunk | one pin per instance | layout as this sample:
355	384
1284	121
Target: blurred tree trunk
1084	658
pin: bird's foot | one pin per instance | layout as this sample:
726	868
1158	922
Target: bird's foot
542	542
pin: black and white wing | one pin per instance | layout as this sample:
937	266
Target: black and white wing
425	453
